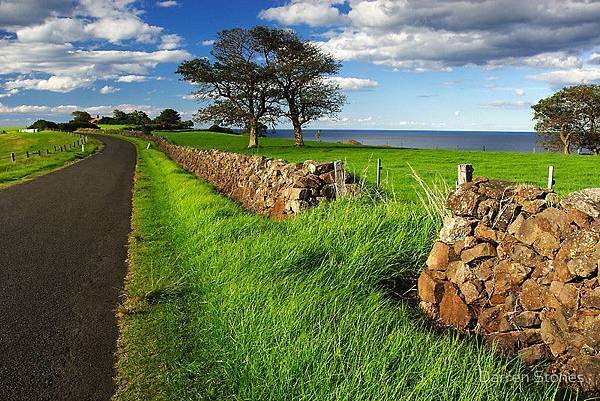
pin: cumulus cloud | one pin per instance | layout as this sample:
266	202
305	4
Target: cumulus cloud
56	49
438	35
310	12
207	42
167	3
106	89
354	84
569	77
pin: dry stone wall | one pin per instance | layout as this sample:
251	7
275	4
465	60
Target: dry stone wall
270	187
519	266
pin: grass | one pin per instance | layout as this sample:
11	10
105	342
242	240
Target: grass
571	172
26	168
221	304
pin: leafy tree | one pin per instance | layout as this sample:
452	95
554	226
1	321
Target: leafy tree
168	117
81	116
300	71
237	86
120	117
569	118
43	125
138	117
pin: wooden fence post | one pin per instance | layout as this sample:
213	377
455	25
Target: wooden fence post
27	152
12	156
340	178
378	181
55	148
465	173
551	181
47	152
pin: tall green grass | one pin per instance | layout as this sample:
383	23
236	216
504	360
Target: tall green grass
221	304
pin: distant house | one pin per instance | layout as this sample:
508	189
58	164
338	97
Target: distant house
96	119
30	130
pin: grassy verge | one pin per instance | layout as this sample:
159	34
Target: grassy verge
571	172
225	305
26	168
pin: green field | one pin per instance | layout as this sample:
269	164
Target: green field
26	168
571	172
222	304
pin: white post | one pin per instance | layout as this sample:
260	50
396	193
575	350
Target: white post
148	146
550	177
465	174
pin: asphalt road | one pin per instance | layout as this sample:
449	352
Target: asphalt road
63	243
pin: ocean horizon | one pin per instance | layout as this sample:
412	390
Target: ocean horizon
496	141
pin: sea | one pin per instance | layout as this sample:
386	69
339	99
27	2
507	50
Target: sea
493	141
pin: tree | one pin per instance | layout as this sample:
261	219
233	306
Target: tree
43	125
300	71
237	85
120	117
138	117
569	118
168	118
80	116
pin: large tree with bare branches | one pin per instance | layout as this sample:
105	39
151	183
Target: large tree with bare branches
237	85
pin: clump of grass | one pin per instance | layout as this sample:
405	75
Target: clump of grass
285	310
432	197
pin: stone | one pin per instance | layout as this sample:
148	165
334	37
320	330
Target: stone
496	189
430	310
309	181
504	343
544	231
483	250
455	229
439	257
487	209
586	201
328	191
533	206
318	168
578	218
453	310
555	332
430	289
328	178
528	192
584	372
532	295
489	318
591	298
535	354
471	290
458	272
566	294
582	252
506	216
486	233
463	201
526	319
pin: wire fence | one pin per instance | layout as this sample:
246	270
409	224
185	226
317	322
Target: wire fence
76	145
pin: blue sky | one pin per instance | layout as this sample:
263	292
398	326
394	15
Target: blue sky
447	65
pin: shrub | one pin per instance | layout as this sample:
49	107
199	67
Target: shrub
43	125
75	125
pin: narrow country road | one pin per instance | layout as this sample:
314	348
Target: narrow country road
63	243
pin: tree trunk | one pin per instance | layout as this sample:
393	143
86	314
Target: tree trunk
298	137
566	140
253	140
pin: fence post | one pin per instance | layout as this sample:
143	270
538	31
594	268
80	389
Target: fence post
82	148
340	178
55	148
39	152
378	173
551	181
27	152
148	146
47	152
12	156
465	173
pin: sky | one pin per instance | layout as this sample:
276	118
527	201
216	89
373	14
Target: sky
420	64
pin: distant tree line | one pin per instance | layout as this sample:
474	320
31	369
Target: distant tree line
168	119
570	119
258	76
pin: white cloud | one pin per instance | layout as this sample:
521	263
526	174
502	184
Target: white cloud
353	84
457	113
170	42
309	12
365	120
52	84
167	3
569	77
132	78
106	89
519	92
207	42
9	93
438	35
510	105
